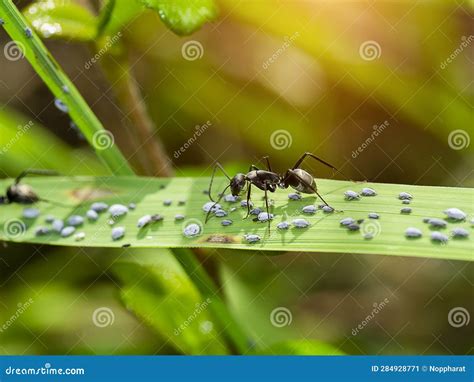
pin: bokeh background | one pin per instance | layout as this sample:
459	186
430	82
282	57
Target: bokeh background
273	78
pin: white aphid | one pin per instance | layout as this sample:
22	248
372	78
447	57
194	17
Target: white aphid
41	231
226	222
243	203
368	235
99	206
300	223
327	209
347	221
211	205
67	231
455	213
75	220
117	210
405	210
118	233
79	236
143	221
459	232
49	219
252	238
294	196
283	225
373	215
368	192
311	209
435	222
28	32
255	211
351	195
92	215
220	213
178	217
231	198
191	230
31	213
413	232
167	202
404	196
61	106
438	236
57	225
263	216
132	206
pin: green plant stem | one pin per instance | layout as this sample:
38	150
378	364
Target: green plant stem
62	88
208	289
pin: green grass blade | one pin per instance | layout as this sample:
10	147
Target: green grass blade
324	235
63	89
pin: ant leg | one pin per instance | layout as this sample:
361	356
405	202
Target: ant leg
308	154
266	204
218	200
216	166
33	171
248	201
269	166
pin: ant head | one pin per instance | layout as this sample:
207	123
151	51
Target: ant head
237	184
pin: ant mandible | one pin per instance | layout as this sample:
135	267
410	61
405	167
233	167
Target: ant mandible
268	181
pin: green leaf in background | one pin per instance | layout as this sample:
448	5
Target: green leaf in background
115	14
63	19
325	233
156	288
299	347
184	16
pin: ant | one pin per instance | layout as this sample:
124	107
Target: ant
268	181
22	193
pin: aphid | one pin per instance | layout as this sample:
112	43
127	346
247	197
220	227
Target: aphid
353	227
99	206
455	214
167	202
220	213
252	238
41	231
233	209
117	210
351	195
31	213
28	32
75	220
438	236
49	219
126	245
61	106
231	198
373	215
283	225
65	89
406	201
181	202
360	221
67	231
57	225
459	232
92	215
79	236
405	210
412	232
179	217
347	221
192	230
245	203
300	223
264	216
368	192
404	196
426	220
368	235
2	22
132	206
118	233
268	181
78	132
226	222
327	209
294	196
309	209
156	218
211	206
438	223
143	221
22	193
205	192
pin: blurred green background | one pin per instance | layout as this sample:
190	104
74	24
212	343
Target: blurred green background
324	73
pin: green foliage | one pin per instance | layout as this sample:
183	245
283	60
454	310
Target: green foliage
324	235
300	347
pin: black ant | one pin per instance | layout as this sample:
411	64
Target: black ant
22	193
268	181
